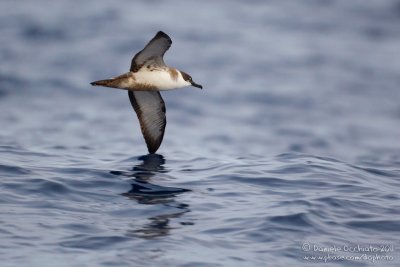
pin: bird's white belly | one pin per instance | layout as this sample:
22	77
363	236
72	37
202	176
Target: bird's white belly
159	79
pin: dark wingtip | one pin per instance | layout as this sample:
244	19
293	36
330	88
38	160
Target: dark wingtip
93	83
161	34
152	150
152	147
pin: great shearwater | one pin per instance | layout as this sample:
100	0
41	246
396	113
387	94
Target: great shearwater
149	75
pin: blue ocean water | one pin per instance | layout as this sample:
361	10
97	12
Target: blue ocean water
289	156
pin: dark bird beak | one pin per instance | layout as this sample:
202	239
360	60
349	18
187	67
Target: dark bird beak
197	85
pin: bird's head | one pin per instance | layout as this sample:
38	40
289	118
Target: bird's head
189	80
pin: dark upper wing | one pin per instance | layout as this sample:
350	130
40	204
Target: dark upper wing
153	52
150	109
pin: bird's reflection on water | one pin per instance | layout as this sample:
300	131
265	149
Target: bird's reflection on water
142	173
148	193
159	225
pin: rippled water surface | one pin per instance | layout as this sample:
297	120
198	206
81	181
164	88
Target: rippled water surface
291	150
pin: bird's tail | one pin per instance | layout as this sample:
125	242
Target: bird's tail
107	83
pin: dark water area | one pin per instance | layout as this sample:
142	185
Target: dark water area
290	151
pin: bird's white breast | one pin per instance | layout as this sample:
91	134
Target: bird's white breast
160	79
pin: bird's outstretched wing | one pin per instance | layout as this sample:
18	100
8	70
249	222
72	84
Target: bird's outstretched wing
150	109
152	53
